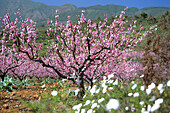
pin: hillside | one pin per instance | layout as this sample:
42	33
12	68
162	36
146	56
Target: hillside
40	12
33	10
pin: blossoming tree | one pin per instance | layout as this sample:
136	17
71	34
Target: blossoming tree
79	52
7	63
31	69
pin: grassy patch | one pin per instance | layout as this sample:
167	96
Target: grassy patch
132	96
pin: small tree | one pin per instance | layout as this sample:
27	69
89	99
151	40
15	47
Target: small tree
32	69
8	62
144	15
80	52
136	16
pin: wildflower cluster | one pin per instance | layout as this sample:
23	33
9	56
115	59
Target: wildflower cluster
111	95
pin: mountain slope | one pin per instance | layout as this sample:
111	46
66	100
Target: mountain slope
29	9
40	12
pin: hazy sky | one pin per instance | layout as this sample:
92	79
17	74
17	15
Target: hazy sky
130	3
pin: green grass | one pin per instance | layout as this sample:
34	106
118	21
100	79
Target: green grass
65	101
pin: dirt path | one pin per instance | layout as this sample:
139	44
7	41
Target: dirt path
11	102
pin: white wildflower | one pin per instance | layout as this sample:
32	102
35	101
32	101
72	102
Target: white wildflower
153	98
110	88
142	88
159	101
43	86
141	103
90	111
94	105
157	104
76	91
160	86
134	86
168	83
97	91
148	91
77	107
54	93
104	78
132	108
112	104
94	81
87	102
92	101
142	76
103	83
149	108
83	111
104	89
136	94
64	80
155	107
93	89
111	76
126	108
161	91
84	96
115	82
132	82
100	100
89	88
77	111
110	81
130	94
143	110
152	86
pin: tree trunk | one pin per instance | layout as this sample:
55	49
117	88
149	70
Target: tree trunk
2	77
80	85
90	82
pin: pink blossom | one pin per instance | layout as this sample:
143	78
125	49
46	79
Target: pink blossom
57	12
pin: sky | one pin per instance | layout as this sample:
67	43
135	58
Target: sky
130	3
